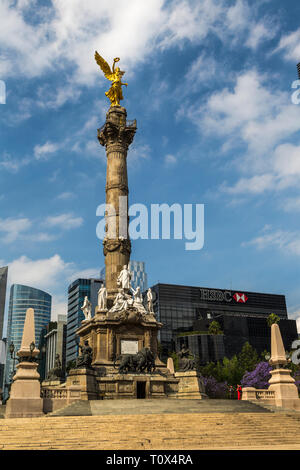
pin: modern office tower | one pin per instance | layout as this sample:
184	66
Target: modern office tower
102	274
3	282
2	362
186	313
139	276
22	298
56	343
138	272
298	68
76	293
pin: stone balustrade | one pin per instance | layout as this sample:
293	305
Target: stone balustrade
252	394
55	398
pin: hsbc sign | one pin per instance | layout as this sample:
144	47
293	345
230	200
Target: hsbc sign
213	295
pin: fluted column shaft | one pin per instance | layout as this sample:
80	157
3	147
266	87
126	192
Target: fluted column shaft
116	135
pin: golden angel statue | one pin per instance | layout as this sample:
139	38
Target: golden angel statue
115	92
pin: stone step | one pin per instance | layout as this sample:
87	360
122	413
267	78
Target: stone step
154	431
78	408
155	406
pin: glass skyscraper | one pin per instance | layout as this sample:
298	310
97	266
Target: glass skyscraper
76	293
3	281
22	298
138	275
187	311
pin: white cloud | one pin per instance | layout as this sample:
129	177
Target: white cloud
13	228
41	152
53	275
287	242
284	172
170	160
55	98
59	305
241	22
201	70
137	152
44	274
260	32
291	204
90	273
11	164
237	16
290	45
190	20
65	35
63	221
255	185
41	237
262	120
65	196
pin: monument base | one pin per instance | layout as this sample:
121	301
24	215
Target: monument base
286	392
84	378
126	386
24	408
190	386
52	383
25	396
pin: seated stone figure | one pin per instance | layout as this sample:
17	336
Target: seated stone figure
56	372
186	359
85	360
120	302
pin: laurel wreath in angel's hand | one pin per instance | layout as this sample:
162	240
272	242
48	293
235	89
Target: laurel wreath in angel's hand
108	73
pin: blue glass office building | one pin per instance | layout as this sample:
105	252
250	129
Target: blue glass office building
3	282
22	298
76	293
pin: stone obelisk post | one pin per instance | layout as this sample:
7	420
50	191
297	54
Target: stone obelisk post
281	381
25	396
116	135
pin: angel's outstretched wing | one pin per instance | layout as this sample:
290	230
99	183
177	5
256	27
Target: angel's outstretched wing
104	66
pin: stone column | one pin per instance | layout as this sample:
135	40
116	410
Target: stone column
116	135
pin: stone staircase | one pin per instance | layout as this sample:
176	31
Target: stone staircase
154	406
129	427
2	411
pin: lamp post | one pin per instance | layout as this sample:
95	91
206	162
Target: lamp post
13	357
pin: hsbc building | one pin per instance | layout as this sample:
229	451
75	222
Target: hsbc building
187	311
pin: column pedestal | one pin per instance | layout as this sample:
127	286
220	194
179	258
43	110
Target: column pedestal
190	385
25	396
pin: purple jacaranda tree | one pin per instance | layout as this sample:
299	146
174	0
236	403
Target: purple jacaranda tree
213	388
259	377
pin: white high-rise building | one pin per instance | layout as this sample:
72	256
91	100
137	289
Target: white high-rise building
139	275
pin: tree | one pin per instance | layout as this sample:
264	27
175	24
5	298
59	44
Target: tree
272	318
159	349
232	372
265	355
248	358
175	360
70	365
215	328
215	389
259	377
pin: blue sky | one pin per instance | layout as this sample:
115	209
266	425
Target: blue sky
210	87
